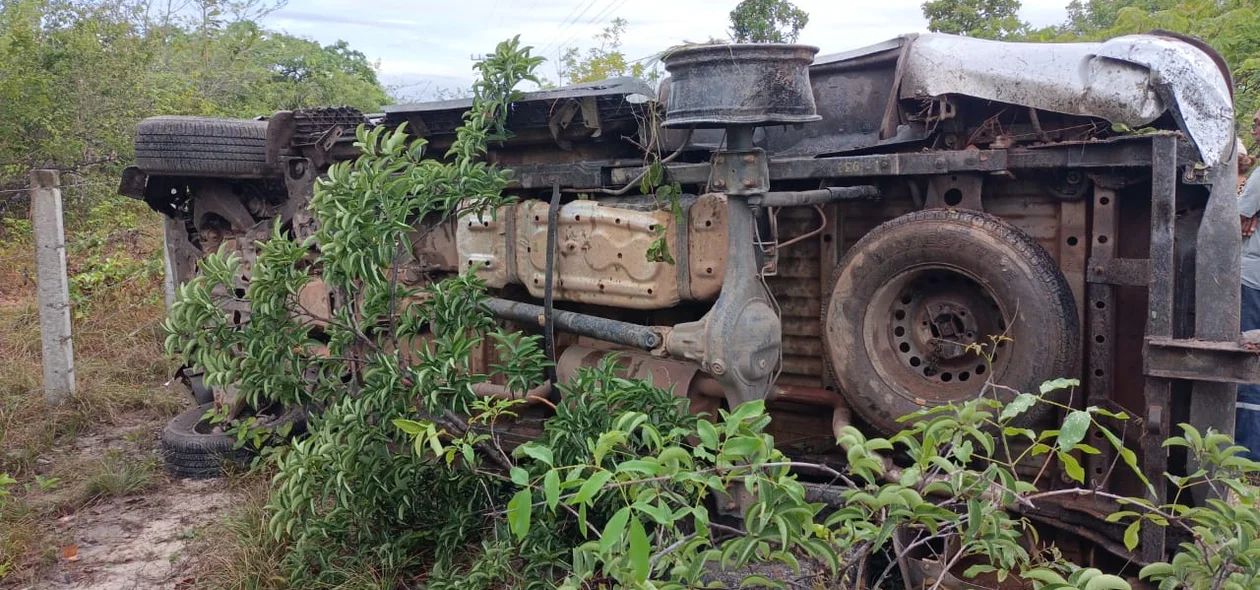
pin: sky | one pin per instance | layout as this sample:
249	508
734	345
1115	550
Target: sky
425	46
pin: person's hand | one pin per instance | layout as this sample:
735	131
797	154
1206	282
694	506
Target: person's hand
1248	225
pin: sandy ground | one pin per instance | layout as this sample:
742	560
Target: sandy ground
137	541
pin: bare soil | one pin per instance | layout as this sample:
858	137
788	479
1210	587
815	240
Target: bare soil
132	541
138	541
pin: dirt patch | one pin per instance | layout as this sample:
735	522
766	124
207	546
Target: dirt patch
114	520
136	542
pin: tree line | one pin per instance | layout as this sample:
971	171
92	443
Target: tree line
77	75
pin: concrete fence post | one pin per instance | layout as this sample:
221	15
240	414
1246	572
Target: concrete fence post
54	290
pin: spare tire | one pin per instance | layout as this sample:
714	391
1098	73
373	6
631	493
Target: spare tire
195	449
914	295
203	146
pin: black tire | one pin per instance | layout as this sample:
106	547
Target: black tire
203	146
194	450
897	322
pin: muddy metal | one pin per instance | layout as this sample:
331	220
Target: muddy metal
851	223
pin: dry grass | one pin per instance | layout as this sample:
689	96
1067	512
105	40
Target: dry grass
237	552
121	372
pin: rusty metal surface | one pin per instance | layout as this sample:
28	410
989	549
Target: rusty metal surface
483	240
955	190
929	319
1121	152
1072	253
601	254
602	248
314	306
706	246
433	249
820	196
1202	360
739	340
1119	271
741	172
1159	323
1100	332
798	291
725	84
617	332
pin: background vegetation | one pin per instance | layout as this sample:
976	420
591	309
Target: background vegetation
75	77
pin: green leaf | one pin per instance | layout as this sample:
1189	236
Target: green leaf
639	551
758	581
707	433
518	512
1073	430
1157	571
1072	467
592	486
614	529
1107	582
1018	406
747	410
978	569
551	488
1131	534
1057	384
639	466
519	476
537	452
410	427
1044	576
742	446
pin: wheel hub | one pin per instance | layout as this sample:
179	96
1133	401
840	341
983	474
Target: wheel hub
946	327
939	325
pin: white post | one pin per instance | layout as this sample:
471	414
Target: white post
54	291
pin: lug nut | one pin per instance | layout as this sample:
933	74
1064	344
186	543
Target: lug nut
719	183
717	368
749	159
750	183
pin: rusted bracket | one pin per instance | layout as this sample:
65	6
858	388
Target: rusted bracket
132	183
1129	272
1202	360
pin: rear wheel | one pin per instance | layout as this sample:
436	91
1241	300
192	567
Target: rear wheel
922	308
203	146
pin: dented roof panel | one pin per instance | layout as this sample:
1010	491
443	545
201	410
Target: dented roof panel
1130	80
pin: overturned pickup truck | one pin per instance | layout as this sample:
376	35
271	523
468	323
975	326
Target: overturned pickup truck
850	224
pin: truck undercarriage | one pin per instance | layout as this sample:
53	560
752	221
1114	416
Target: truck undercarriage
847	229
